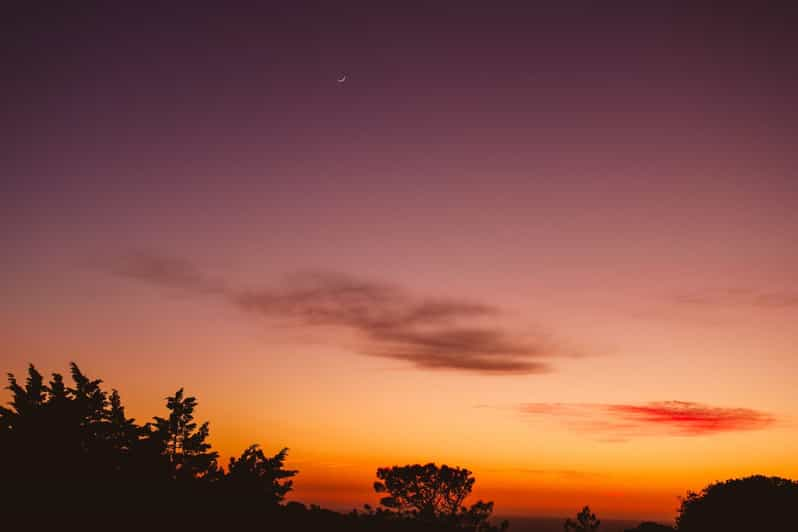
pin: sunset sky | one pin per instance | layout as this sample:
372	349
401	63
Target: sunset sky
557	246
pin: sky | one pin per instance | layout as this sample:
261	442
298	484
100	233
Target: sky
554	245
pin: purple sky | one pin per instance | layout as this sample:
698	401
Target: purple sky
589	190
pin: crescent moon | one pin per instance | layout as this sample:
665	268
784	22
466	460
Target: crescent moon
342	78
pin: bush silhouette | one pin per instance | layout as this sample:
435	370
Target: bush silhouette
752	503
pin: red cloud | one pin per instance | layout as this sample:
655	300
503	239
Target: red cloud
622	421
693	418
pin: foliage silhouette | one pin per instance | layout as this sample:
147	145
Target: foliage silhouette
68	449
429	493
585	522
70	454
181	442
253	474
751	503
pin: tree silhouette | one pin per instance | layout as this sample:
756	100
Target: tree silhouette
69	450
585	522
24	401
751	503
431	493
122	431
256	475
424	490
88	397
70	453
51	431
182	443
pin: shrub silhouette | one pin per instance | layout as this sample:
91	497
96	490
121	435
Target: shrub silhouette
585	522
751	503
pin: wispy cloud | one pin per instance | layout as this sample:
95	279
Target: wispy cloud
167	272
431	333
619	422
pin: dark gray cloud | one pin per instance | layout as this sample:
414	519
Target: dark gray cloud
431	333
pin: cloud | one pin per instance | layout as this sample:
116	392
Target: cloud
166	272
618	422
693	418
430	333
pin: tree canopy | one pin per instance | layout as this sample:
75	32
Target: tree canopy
431	493
72	447
751	503
254	474
70	451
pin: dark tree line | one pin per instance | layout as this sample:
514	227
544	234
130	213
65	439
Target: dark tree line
741	504
69	451
737	505
72	448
